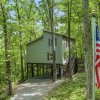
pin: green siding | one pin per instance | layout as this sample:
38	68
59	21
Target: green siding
38	50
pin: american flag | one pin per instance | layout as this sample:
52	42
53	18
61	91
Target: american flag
97	57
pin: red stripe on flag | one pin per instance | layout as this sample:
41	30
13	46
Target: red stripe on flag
97	75
97	45
97	50
97	57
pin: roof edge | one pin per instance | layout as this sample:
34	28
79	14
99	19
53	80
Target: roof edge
34	40
49	32
60	35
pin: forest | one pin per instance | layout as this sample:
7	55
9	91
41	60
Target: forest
22	21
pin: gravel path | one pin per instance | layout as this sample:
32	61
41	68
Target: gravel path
34	89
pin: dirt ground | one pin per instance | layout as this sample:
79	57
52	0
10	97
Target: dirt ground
34	89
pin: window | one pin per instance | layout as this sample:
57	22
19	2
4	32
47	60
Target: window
50	42
48	56
55	41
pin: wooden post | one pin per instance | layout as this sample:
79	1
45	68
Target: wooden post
37	70
27	71
46	70
40	69
61	67
52	70
59	71
32	70
43	70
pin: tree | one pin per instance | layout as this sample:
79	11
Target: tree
87	48
21	48
69	35
51	11
7	46
30	13
43	12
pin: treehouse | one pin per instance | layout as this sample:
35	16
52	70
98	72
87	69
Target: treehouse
39	53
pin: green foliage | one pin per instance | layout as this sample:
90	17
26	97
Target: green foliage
71	89
65	54
34	17
97	94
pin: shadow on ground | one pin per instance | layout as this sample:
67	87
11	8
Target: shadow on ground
34	89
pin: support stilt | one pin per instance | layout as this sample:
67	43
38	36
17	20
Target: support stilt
61	67
37	70
59	72
43	71
32	70
27	71
52	70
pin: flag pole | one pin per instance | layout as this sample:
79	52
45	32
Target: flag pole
93	52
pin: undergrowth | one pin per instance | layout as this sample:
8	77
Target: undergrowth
72	89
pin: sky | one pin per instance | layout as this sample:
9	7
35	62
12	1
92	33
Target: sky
37	1
59	13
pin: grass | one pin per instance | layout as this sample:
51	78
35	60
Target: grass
72	89
3	91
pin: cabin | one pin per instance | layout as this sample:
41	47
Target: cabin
39	53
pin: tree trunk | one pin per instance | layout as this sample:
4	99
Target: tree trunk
87	48
21	59
69	35
50	6
21	49
7	55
